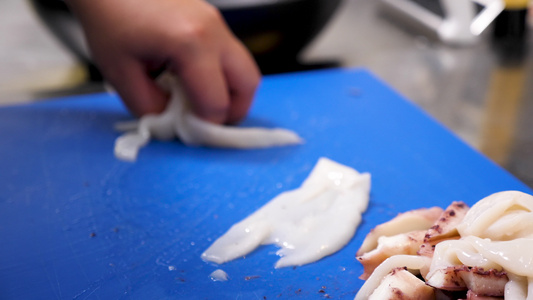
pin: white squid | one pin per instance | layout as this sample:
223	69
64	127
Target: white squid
178	121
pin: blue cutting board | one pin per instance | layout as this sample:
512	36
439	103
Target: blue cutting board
76	223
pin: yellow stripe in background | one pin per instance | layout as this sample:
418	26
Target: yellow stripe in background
516	4
504	99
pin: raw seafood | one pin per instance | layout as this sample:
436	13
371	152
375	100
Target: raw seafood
478	280
501	216
402	235
179	121
401	284
445	228
410	262
418	219
479	253
403	243
307	223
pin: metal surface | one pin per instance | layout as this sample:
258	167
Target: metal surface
456	22
76	223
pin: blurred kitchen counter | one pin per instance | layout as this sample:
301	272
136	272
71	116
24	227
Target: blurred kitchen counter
482	92
473	90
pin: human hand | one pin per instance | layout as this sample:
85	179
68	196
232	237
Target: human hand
130	39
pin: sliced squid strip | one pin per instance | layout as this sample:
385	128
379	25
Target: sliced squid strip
446	225
514	256
178	121
490	209
404	243
445	228
411	262
516	288
418	219
196	132
307	223
401	284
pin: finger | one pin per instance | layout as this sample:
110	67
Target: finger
138	90
204	84
242	78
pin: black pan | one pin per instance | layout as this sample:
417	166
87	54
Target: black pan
275	31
